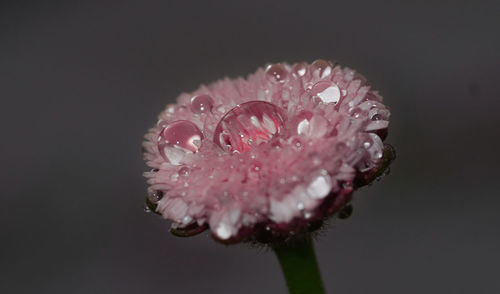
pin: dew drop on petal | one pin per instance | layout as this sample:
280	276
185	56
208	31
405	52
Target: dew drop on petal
368	142
184	171
300	122
247	125
322	67
327	91
155	195
202	104
276	73
299	70
320	186
347	185
179	136
187	219
356	112
297	143
256	167
345	212
223	231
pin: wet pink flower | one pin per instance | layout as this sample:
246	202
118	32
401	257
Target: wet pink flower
267	156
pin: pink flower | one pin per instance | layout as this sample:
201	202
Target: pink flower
267	156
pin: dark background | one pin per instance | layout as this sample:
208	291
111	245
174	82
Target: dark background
80	83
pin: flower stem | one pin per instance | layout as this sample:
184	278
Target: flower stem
299	266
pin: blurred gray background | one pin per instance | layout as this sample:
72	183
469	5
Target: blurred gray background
80	83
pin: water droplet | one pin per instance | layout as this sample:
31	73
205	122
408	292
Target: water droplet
327	91
187	219
368	143
320	186
300	122
247	125
202	104
256	167
299	70
308	86
345	212
174	177
300	206
155	195
223	231
347	185
183	171
307	215
276	73
322	67
181	135
356	112
146	208
297	144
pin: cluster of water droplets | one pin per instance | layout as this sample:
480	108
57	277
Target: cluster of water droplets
248	125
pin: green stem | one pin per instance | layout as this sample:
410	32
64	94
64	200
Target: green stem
299	266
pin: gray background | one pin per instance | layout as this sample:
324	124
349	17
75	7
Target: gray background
81	82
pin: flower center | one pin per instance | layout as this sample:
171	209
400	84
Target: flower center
248	125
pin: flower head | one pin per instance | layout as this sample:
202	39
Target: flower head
267	156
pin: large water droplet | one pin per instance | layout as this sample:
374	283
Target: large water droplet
179	137
276	73
202	104
327	91
322	67
247	125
